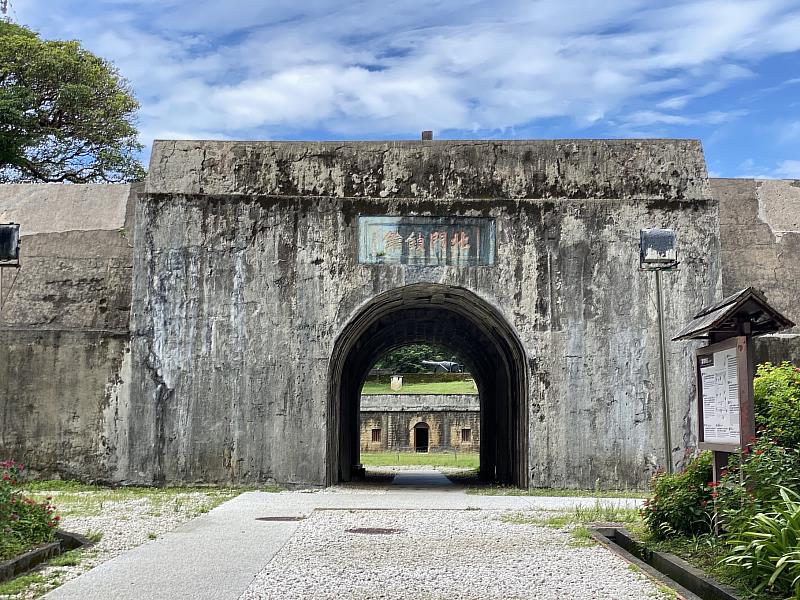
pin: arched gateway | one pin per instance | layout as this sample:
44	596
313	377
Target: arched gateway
269	275
447	316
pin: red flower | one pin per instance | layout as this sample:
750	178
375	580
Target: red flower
56	518
713	484
715	494
759	452
746	450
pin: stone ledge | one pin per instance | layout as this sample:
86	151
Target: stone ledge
57	208
648	169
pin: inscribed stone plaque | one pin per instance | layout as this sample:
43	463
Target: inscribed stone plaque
720	384
426	241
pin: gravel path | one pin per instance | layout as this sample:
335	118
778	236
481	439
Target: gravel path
447	545
123	525
441	554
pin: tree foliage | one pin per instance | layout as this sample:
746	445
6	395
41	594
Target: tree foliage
776	391
408	359
65	114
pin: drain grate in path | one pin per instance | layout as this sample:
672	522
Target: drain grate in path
279	518
374	530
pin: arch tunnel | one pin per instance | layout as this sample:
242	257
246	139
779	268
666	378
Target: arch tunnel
459	320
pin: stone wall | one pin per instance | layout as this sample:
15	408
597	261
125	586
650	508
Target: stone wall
245	274
396	415
64	353
760	244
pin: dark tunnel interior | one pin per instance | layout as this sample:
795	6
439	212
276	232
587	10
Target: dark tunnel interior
446	316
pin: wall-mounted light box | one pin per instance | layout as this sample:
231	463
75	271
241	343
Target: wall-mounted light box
658	249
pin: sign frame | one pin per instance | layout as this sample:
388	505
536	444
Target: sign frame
744	377
438	241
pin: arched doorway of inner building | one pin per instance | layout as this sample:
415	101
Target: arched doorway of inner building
443	315
421	437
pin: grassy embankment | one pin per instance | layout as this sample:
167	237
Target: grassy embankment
372	388
465	460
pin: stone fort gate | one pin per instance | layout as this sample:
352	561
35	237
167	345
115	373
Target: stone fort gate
267	278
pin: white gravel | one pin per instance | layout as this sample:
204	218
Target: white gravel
441	554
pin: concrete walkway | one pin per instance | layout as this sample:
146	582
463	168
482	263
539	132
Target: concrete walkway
423	480
217	555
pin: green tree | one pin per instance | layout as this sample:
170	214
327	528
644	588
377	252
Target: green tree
65	114
408	359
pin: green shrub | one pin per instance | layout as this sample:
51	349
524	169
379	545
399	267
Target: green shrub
768	550
681	503
24	523
777	402
753	480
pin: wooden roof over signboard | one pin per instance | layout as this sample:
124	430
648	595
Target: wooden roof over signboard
722	316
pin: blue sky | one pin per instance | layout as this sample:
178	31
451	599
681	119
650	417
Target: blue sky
724	71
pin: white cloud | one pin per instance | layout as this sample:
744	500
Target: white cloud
788	132
247	69
788	169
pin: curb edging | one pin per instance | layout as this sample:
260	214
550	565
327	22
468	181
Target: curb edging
64	542
688	581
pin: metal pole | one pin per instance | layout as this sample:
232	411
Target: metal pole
664	383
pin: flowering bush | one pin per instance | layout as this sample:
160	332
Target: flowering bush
681	502
753	481
24	523
776	396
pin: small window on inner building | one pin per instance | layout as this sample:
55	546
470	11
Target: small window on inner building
466	435
376	435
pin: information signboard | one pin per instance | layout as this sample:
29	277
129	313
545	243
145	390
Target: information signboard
723	402
426	241
720	383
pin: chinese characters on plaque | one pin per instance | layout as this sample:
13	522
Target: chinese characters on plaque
720	383
426	241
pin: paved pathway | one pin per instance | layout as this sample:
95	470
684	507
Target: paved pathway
218	555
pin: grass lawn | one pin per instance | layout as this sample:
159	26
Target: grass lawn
467	460
440	387
506	490
76	499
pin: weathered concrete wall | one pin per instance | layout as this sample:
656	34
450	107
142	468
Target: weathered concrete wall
395	415
245	273
760	247
64	355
